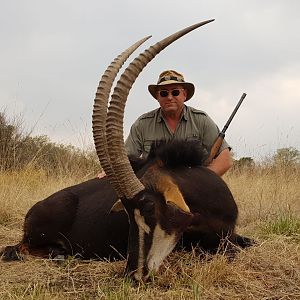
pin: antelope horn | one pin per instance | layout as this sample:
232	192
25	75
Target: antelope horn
100	111
128	182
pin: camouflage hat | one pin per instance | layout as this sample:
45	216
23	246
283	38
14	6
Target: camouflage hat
171	77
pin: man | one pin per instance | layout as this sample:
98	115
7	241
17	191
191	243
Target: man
175	120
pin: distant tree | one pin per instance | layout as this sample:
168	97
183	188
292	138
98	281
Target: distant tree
244	162
10	140
287	156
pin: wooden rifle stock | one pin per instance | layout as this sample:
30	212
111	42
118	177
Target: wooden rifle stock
215	148
218	142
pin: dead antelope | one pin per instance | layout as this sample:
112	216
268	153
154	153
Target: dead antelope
141	214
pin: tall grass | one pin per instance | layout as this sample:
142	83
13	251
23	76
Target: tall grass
265	192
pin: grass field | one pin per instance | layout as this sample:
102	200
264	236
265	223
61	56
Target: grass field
269	206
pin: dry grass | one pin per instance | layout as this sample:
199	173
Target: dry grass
263	194
19	190
269	203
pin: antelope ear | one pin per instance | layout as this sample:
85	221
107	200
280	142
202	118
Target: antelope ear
118	206
164	184
175	197
172	193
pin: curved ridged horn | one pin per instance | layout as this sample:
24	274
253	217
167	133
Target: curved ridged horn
128	182
100	111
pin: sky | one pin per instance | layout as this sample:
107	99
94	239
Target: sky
53	54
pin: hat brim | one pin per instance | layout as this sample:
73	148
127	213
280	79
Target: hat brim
189	87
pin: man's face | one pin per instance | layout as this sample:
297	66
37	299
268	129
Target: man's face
171	98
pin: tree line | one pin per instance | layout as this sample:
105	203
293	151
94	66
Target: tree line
19	149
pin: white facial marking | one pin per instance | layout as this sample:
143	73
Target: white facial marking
143	228
140	221
162	245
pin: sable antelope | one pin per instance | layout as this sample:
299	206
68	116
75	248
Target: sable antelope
170	195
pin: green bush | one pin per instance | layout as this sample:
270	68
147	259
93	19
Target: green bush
19	150
285	223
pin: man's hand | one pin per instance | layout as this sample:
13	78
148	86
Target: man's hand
222	163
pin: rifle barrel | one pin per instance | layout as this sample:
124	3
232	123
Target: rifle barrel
233	113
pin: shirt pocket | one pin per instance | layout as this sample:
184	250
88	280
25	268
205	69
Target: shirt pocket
192	137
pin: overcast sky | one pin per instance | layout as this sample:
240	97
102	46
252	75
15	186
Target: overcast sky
53	53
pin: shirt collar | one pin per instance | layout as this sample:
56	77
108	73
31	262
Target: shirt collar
184	114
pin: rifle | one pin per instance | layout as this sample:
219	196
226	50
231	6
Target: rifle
218	142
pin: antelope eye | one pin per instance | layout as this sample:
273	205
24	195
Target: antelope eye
148	207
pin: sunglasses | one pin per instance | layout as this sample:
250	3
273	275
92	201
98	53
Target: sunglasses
165	93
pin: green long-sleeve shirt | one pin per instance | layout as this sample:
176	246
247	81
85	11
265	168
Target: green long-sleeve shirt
151	126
